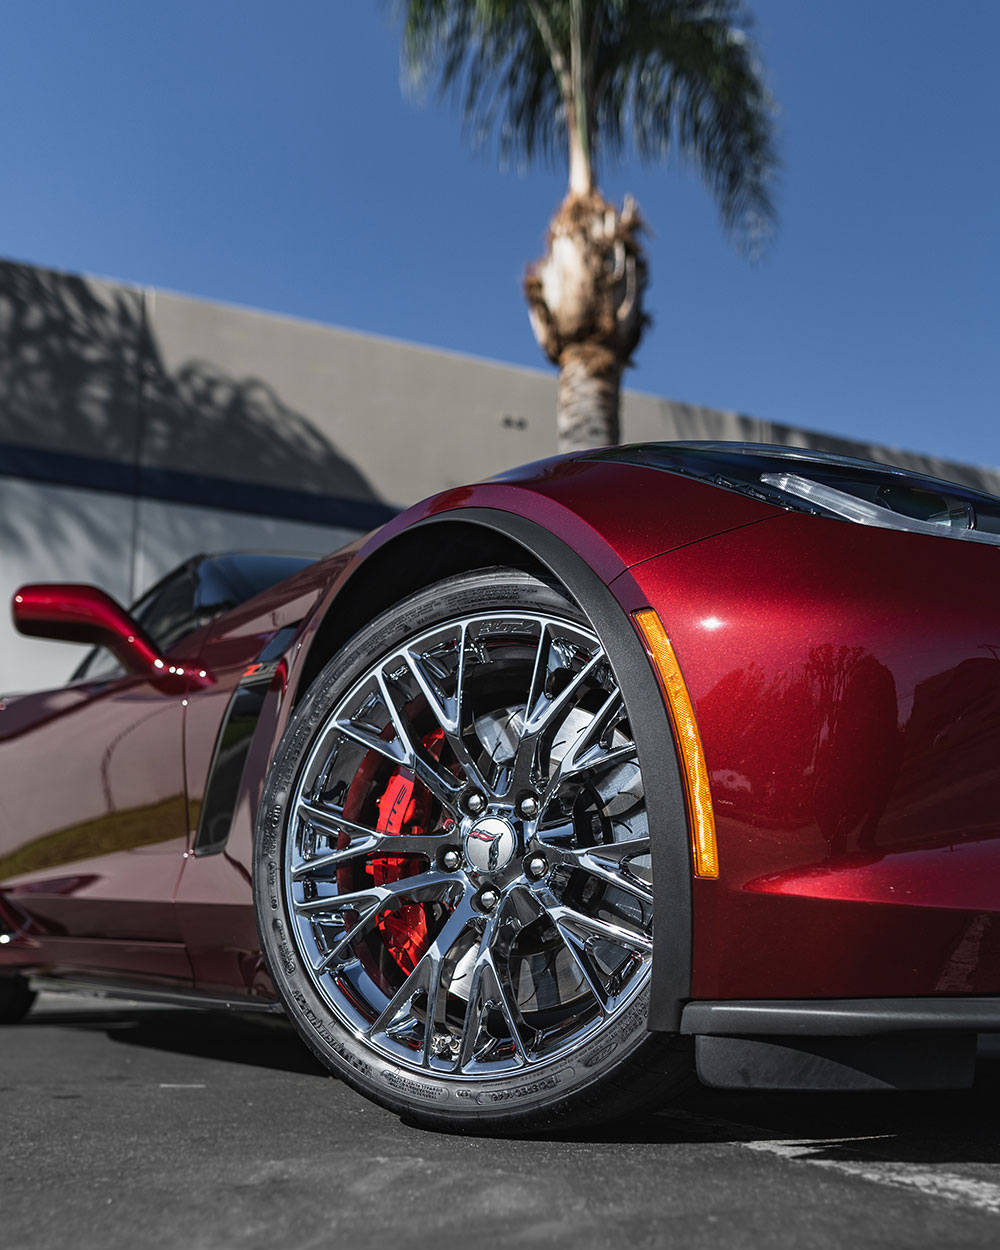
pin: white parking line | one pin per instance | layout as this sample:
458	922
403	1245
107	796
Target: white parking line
918	1177
981	1194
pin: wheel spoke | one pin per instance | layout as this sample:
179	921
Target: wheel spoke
381	895
597	758
318	784
347	939
576	948
486	993
473	1015
447	710
535	909
615	852
577	931
426	976
433	991
444	787
563	916
364	840
506	1009
621	880
610	710
586	754
399	722
610	868
391	748
374	844
402	751
539	669
543	711
331	820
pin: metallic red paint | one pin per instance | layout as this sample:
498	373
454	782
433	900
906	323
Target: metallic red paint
847	687
614	515
93	831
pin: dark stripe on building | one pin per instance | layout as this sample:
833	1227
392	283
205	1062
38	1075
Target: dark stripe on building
202	490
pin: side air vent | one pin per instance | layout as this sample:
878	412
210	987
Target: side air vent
232	746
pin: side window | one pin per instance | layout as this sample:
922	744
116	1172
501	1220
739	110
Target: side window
98	665
169	614
226	581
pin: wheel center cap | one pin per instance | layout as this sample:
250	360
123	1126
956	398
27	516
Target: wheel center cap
490	844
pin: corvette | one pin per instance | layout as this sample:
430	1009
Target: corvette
657	760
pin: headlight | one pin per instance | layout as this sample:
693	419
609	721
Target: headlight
895	507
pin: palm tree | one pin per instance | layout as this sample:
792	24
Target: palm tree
604	78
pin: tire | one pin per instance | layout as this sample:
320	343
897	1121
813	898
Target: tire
452	867
16	999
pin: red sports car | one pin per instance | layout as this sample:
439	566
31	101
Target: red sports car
555	788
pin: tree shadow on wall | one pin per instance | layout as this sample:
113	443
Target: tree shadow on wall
84	381
200	413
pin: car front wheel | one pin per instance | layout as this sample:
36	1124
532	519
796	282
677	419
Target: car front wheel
453	873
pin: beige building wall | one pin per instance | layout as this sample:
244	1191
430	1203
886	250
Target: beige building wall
139	427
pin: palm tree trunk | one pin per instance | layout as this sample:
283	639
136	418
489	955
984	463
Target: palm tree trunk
589	385
585	304
581	166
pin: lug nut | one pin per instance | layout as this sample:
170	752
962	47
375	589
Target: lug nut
536	866
475	803
529	807
488	900
451	860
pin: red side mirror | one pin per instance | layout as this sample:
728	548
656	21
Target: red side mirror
70	612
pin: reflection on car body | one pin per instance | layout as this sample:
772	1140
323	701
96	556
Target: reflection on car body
559	788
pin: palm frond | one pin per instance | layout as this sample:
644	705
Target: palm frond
489	57
684	76
663	76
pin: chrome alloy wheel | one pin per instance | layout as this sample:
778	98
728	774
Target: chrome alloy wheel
466	867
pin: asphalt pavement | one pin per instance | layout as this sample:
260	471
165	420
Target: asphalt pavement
131	1126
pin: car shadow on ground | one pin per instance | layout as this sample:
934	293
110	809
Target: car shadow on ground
932	1128
949	1127
255	1040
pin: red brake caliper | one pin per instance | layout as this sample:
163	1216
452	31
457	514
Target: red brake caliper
404	808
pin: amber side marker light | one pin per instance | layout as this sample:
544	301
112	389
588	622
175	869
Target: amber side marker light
699	795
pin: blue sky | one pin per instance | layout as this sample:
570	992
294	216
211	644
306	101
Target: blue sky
263	153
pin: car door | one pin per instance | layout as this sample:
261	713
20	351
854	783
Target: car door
93	821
